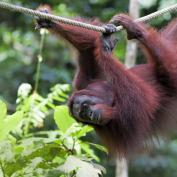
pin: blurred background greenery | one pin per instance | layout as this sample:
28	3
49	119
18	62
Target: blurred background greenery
18	58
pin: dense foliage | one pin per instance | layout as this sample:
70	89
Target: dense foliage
37	135
44	153
28	149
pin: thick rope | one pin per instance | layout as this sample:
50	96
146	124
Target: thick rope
39	14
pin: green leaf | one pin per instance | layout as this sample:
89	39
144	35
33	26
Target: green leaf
6	151
89	151
83	168
8	123
3	110
78	130
99	147
62	118
84	130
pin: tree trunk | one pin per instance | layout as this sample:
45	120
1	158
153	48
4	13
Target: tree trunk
131	50
130	60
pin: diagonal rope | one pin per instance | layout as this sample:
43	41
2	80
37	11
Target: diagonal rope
36	13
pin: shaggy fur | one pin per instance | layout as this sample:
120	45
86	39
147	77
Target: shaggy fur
132	105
